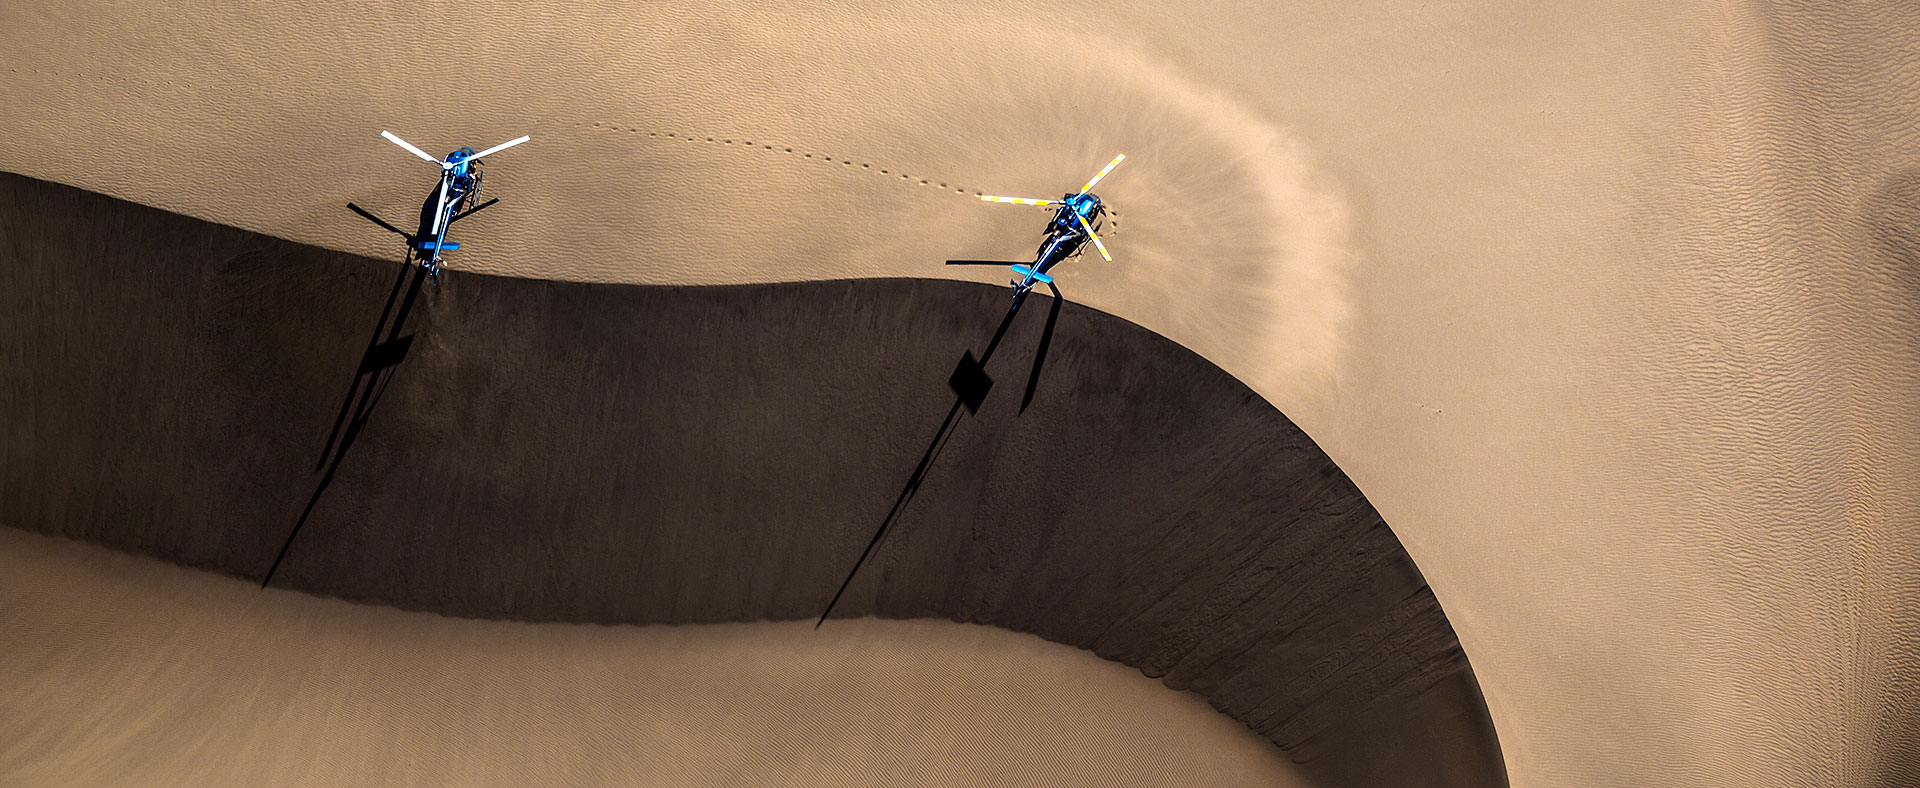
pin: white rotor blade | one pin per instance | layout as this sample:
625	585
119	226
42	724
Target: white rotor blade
409	146
500	147
440	211
1103	173
1019	200
1096	239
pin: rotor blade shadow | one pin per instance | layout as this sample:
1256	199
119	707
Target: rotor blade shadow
919	475
927	458
370	381
999	333
471	211
379	221
369	361
1040	350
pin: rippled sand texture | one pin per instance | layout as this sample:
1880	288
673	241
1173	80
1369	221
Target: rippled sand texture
124	671
634	454
1607	307
726	144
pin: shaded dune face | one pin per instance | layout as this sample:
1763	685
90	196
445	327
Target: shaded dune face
553	451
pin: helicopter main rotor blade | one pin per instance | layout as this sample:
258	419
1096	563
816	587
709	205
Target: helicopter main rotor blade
440	211
500	147
1103	173
1018	200
410	149
1096	239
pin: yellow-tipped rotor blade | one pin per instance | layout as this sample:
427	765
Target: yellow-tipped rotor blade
1096	238
1018	200
1103	173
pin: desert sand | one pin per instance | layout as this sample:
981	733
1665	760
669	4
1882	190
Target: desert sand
1606	308
538	450
126	671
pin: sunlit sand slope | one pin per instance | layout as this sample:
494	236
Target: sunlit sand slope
121	671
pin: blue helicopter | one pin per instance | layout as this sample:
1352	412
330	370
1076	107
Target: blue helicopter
459	187
1076	219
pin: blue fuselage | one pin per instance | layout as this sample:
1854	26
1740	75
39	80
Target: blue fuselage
460	180
1065	235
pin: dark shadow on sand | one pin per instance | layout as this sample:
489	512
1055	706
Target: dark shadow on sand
385	350
970	384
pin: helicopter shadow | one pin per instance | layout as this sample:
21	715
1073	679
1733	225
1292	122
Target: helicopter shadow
970	384
386	349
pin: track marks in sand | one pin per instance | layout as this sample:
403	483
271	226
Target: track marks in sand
889	173
785	150
1224	199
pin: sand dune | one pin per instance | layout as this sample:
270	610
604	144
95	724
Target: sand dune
627	454
123	671
1607	308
